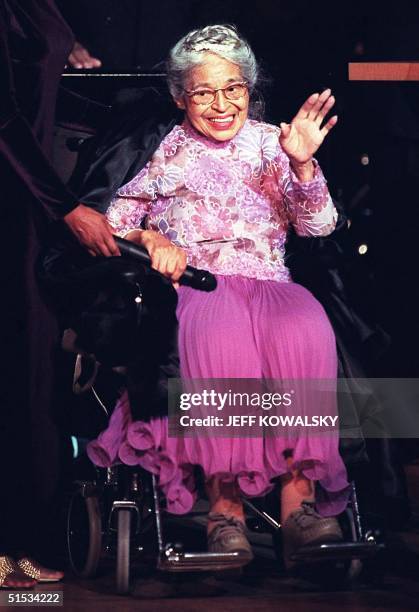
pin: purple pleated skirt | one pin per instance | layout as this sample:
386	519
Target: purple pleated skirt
246	328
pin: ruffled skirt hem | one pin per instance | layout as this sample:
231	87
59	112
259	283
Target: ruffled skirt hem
174	460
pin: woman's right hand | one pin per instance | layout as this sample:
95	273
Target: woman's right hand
166	258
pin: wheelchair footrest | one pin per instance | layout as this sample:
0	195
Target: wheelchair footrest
337	551
173	560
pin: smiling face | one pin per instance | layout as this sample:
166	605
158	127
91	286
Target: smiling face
221	119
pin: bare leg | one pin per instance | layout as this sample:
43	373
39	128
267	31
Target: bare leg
224	498
296	488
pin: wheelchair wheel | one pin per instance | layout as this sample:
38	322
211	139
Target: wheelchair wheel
84	534
123	551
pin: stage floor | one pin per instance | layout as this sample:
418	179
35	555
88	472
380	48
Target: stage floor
261	586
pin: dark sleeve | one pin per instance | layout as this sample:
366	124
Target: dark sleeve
19	146
116	154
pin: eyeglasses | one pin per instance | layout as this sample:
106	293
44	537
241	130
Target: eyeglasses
234	91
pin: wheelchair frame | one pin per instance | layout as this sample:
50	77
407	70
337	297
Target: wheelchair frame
136	501
172	557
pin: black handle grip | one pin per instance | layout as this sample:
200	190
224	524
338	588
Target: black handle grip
192	277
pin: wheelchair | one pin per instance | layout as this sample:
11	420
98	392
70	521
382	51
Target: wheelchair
119	512
115	515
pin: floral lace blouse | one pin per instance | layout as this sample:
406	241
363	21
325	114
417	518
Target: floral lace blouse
228	204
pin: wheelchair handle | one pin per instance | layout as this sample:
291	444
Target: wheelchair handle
192	277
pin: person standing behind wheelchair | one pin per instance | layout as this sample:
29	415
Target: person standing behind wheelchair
34	45
220	193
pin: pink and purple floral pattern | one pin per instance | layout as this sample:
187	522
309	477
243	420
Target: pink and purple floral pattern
228	204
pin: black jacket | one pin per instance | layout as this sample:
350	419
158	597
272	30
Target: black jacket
118	153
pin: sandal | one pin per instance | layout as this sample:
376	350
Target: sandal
34	569
8	566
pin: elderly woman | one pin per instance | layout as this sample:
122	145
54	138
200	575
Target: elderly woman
220	193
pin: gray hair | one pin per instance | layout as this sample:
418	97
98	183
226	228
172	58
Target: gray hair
223	40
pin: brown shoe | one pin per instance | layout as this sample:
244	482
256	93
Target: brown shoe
306	527
228	536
